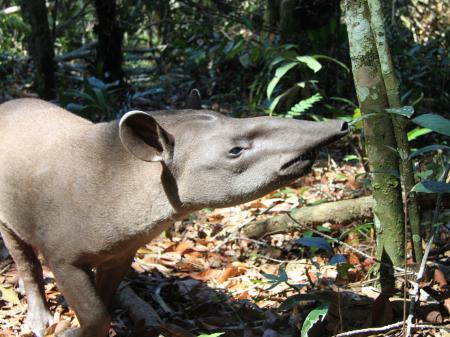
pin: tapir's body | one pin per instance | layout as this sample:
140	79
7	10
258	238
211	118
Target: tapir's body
88	195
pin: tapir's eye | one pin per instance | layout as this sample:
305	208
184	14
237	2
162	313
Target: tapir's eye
235	151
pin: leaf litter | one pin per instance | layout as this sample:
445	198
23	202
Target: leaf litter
203	277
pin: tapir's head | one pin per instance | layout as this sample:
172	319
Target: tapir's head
218	161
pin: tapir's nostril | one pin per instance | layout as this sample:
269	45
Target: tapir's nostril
344	127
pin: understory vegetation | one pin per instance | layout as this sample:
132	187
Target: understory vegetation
309	259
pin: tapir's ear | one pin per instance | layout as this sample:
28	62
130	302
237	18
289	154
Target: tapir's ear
194	100
144	137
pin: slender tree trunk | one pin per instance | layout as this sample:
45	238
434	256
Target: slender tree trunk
109	48
392	90
379	135
40	46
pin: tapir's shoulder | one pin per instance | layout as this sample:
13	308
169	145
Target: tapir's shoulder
37	111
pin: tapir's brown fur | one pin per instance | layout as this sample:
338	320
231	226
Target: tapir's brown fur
88	195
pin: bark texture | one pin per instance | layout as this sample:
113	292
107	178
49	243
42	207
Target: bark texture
400	130
109	47
40	46
379	135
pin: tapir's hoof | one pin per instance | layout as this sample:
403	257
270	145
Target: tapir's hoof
39	321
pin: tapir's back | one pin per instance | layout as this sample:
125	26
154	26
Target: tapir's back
34	139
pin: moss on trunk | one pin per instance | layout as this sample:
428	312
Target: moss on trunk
379	136
400	130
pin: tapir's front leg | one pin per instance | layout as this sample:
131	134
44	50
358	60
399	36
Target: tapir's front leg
79	291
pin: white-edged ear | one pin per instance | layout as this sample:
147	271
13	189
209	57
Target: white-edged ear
141	135
194	101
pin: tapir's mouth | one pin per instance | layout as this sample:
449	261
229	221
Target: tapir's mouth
308	156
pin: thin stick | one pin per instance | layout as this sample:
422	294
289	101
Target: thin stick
415	297
389	327
300	226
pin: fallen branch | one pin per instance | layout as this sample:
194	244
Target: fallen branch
81	52
343	211
138	309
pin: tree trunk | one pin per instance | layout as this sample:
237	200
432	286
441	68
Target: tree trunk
109	48
400	130
379	135
40	46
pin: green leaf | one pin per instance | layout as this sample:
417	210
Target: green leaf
365	116
417	132
434	122
424	175
217	334
350	157
406	111
332	59
345	100
428	148
279	73
283	277
432	186
314	242
311	62
313	317
271	277
275	102
304	105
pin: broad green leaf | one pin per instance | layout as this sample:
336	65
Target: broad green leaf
369	115
338	259
217	334
428	148
350	157
282	275
406	111
275	102
325	57
432	186
434	122
271	277
345	100
279	73
313	317
417	132
9	295
311	62
424	175
314	242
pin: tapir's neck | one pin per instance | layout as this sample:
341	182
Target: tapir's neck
145	192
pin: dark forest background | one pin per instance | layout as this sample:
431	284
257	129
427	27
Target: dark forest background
100	58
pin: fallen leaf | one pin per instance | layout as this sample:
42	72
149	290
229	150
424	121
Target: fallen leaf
8	294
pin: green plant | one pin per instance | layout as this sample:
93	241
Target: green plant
295	108
97	100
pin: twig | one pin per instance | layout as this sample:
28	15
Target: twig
423	264
160	300
299	225
234	235
389	327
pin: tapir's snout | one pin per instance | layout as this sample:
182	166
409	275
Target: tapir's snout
325	133
311	136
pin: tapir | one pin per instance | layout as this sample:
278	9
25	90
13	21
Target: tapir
86	196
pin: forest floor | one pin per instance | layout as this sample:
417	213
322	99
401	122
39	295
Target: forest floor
204	276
